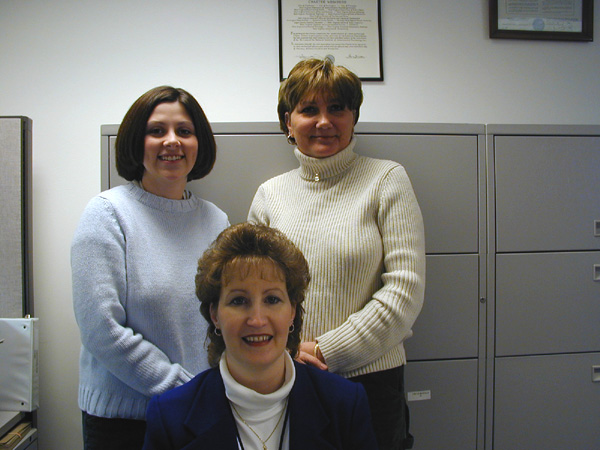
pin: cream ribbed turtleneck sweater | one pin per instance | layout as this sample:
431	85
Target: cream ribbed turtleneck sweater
358	223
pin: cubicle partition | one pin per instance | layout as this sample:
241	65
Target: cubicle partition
16	282
18	335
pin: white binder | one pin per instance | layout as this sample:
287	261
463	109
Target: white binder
19	368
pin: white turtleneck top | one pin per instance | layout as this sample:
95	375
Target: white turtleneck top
260	411
358	223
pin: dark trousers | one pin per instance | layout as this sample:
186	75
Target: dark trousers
389	410
100	433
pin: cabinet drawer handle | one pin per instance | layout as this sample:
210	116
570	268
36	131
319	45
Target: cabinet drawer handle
596	374
597	228
596	272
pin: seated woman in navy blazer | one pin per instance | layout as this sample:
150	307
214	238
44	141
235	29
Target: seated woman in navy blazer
251	285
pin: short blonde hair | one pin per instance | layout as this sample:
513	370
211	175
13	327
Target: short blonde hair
318	76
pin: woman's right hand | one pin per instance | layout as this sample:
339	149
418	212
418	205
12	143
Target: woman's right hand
306	355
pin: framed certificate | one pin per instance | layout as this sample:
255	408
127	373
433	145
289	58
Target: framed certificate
563	20
346	31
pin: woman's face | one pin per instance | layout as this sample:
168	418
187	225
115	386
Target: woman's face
170	149
321	126
254	314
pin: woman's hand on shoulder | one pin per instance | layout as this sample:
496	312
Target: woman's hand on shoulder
307	355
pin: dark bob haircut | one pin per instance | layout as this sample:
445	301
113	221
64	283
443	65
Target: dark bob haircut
132	132
242	247
318	76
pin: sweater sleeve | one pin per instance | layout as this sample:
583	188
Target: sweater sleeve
98	262
386	320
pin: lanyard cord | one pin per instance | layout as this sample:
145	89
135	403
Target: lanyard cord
287	415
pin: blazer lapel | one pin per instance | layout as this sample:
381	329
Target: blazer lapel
213	426
308	419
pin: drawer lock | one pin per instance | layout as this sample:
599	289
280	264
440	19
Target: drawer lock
596	374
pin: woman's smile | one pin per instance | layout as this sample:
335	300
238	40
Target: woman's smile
254	315
171	157
321	127
170	150
258	340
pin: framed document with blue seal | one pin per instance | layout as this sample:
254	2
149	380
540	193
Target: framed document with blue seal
558	20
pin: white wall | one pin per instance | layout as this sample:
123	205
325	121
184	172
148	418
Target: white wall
74	65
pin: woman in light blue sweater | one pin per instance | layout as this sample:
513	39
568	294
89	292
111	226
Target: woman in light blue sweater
134	257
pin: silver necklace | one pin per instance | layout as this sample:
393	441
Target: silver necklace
264	443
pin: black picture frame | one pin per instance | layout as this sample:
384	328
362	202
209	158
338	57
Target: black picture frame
538	30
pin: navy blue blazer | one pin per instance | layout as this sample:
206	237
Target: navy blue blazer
326	412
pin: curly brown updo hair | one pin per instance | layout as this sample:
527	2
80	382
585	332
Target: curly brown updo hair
248	245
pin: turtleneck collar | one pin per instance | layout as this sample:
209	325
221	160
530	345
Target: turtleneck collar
249	401
319	169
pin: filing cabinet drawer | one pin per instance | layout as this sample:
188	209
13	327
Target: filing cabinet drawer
448	324
444	175
547	402
547	303
547	193
442	398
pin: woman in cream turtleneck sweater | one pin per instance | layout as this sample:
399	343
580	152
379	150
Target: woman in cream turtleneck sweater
251	286
358	223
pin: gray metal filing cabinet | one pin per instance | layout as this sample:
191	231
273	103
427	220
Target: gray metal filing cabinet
544	272
446	165
247	154
506	351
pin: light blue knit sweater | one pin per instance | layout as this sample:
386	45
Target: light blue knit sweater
134	258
